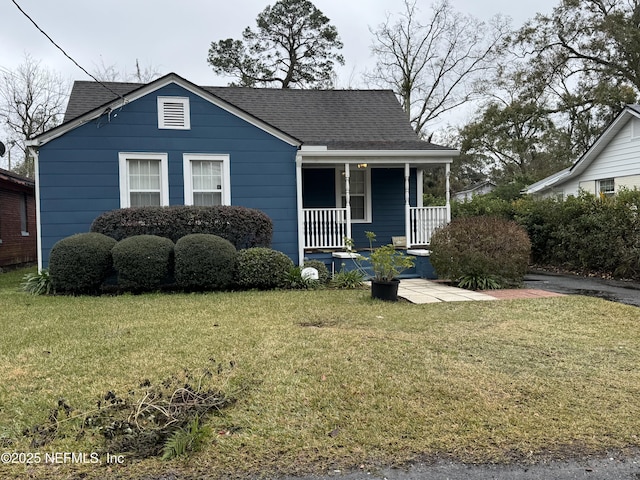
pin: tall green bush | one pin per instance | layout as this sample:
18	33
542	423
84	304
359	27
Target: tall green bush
478	251
262	268
204	262
482	205
80	263
585	232
143	262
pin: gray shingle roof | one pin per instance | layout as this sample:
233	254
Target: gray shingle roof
340	119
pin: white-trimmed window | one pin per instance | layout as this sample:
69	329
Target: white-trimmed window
24	220
359	192
174	113
207	179
144	179
607	187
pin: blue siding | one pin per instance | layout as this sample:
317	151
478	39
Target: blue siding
79	171
387	201
387	206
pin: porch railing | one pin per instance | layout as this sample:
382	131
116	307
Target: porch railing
424	221
325	227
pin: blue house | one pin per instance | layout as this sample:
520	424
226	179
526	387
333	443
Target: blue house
323	164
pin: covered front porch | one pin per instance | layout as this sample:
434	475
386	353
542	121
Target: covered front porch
343	194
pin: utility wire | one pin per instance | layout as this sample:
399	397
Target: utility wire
62	50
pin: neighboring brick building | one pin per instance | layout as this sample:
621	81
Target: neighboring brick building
17	220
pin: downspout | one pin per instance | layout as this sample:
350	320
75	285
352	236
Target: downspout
36	166
299	209
407	206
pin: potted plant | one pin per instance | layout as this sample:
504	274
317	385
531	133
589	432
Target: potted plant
387	263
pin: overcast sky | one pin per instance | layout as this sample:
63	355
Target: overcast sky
175	35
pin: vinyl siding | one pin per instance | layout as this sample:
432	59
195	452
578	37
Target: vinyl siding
619	159
79	176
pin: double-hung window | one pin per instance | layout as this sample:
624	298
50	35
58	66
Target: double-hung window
206	179
607	187
359	197
143	179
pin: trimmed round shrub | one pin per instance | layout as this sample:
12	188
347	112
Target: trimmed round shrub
262	268
143	262
243	227
80	263
481	252
204	262
321	267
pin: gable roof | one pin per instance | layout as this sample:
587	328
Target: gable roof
476	186
581	164
337	119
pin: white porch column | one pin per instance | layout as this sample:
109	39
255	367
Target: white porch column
407	205
447	173
420	188
299	209
347	196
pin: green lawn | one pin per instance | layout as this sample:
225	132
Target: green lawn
328	379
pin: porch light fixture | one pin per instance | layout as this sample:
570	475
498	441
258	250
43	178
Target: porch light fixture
362	165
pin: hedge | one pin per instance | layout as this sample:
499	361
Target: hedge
80	263
204	262
143	262
262	268
585	233
243	227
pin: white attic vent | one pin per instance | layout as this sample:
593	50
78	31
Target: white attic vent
173	113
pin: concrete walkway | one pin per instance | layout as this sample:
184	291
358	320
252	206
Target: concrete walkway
418	290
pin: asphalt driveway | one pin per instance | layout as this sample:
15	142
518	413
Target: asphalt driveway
614	290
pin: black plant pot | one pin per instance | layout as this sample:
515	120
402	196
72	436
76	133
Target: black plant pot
387	291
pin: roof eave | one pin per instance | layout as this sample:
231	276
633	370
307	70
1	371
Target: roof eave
550	181
603	140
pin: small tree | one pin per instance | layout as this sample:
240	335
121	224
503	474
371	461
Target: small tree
294	45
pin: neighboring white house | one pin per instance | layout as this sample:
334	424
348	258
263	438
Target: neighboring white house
476	189
612	162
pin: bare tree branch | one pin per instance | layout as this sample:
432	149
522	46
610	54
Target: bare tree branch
436	65
32	100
